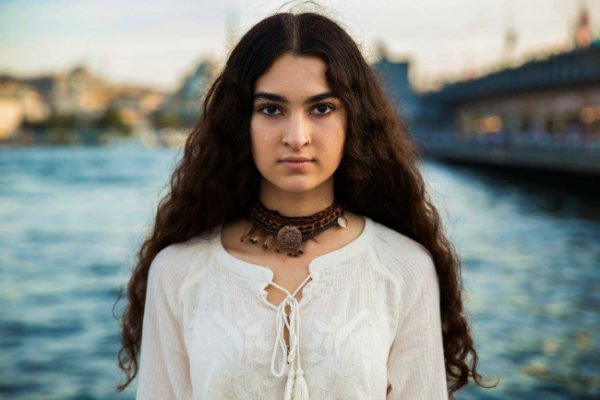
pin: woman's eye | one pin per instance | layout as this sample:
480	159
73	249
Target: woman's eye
271	110
324	109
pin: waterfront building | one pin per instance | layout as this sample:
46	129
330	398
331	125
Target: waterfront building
543	114
186	101
75	102
396	80
19	104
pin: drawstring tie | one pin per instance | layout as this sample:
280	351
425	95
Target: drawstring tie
295	386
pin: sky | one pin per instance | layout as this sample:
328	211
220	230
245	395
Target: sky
156	43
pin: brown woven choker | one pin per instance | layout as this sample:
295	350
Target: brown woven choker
288	233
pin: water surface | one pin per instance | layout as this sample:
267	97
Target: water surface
72	218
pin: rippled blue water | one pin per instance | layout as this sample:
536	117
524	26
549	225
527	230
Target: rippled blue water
71	219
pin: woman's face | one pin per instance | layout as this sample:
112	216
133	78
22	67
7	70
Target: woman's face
295	115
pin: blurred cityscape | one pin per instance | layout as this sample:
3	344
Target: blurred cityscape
78	107
549	100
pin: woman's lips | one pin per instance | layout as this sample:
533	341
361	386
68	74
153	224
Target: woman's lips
296	164
297	159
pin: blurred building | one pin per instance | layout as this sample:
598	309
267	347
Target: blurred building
542	114
186	102
77	92
395	78
76	99
19	103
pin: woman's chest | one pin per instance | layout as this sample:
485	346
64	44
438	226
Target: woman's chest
344	336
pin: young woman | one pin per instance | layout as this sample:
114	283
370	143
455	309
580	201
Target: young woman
297	254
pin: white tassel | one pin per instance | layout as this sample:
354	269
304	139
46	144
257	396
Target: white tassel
289	385
300	388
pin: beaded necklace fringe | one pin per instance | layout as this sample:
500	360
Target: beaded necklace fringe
289	233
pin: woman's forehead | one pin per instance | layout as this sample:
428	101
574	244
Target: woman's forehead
294	77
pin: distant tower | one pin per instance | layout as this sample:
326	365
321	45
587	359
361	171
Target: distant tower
231	28
381	51
510	43
583	29
510	36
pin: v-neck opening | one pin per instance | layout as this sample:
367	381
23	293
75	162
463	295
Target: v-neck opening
299	289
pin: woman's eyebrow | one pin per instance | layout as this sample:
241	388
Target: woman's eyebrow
282	99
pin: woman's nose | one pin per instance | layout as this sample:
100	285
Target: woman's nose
297	133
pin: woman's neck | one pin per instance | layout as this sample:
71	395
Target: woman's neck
297	204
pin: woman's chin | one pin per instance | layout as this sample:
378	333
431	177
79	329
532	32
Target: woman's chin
297	188
296	185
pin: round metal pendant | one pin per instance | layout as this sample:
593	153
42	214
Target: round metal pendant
289	238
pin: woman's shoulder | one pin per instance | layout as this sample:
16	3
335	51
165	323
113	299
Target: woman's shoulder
402	256
183	251
173	262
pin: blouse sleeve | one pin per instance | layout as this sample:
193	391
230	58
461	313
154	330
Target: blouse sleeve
416	369
164	366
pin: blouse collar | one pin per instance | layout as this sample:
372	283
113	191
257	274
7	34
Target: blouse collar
262	275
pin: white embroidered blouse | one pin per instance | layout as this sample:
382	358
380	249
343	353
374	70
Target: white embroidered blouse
369	317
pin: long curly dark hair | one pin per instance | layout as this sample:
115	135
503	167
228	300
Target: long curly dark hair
216	180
